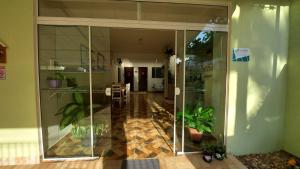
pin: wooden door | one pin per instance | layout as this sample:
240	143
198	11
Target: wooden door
143	78
128	76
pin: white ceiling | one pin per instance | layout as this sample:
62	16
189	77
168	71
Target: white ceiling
141	40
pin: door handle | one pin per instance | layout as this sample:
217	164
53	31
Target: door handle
108	91
177	91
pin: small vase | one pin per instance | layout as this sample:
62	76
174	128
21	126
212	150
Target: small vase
54	83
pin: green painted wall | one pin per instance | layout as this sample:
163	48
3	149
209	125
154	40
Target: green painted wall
18	122
292	122
257	88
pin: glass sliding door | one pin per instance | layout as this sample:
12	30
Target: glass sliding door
64	82
101	76
179	62
205	81
201	78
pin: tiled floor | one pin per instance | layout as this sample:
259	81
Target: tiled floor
140	129
179	162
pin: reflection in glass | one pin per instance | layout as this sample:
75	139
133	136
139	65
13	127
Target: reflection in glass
205	73
101	79
89	9
64	91
188	13
179	84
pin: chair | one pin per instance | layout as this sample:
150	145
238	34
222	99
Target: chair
127	93
116	93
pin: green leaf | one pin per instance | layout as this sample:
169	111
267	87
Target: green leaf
192	125
78	98
80	115
70	109
65	121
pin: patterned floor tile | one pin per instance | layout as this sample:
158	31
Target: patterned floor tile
141	129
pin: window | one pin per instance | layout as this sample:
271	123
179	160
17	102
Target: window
157	72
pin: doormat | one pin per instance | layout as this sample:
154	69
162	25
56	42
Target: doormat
141	164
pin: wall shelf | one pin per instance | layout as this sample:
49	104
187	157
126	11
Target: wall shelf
71	90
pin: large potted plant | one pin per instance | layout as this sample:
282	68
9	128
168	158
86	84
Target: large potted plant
198	120
73	112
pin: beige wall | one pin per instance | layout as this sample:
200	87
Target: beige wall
18	122
292	121
257	88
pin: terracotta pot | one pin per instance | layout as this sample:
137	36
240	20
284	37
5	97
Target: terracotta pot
195	135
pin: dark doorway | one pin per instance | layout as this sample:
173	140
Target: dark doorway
128	76
143	78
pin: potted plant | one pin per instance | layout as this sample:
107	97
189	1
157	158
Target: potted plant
71	82
72	113
56	80
199	121
208	152
220	152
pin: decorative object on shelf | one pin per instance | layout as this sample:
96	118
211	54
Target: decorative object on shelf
52	68
53	65
2	73
56	80
2	52
198	120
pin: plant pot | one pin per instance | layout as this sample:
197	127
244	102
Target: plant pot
195	135
219	156
54	83
207	157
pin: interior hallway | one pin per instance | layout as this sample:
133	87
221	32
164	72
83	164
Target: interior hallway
142	128
136	132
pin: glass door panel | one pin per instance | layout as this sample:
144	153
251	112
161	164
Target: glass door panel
205	81
65	91
179	61
189	13
106	9
101	83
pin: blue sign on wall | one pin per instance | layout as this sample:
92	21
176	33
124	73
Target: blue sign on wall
241	54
